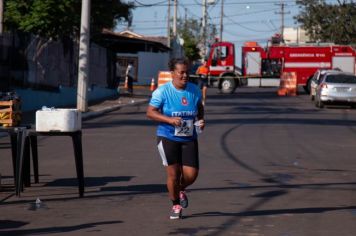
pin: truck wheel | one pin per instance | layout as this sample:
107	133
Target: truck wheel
307	87
227	86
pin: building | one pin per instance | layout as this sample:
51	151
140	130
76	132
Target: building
295	35
148	55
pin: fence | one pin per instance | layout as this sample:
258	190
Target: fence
25	63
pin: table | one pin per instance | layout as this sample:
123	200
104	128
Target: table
78	154
23	139
18	143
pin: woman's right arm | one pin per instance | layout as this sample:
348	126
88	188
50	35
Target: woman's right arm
153	113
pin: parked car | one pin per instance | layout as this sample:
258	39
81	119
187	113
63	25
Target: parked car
336	87
315	80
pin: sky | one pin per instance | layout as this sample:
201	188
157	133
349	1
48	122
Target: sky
244	20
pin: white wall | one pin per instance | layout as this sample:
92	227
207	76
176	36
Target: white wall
149	64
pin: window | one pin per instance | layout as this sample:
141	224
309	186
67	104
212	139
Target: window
340	78
220	52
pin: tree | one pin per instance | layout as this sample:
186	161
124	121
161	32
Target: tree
328	22
57	19
52	20
190	31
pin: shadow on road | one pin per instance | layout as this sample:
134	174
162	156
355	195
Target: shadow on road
89	181
52	230
311	210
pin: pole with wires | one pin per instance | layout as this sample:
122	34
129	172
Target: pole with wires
169	24
282	13
204	25
175	19
221	20
1	16
83	64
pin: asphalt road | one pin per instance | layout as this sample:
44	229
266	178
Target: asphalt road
269	166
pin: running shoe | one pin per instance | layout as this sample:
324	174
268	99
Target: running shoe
183	200
176	212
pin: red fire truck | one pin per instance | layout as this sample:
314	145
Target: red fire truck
272	61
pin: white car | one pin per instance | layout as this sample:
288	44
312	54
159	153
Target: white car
315	81
336	87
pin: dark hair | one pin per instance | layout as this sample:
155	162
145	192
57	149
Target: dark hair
177	61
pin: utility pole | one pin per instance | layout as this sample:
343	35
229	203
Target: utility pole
169	24
282	13
185	17
1	16
175	18
83	65
221	20
204	22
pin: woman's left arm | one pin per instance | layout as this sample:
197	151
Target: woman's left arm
200	115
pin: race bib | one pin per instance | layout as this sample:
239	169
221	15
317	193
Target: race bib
185	130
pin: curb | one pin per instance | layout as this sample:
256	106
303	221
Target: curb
92	114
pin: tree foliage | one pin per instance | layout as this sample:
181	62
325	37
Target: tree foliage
190	31
329	22
56	19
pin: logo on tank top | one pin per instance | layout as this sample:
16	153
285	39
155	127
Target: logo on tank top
184	101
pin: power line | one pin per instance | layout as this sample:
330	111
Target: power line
135	23
282	13
239	35
247	28
163	3
150	5
248	13
197	3
189	11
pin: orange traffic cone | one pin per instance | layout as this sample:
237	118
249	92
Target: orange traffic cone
153	85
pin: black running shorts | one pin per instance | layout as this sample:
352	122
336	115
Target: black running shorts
202	82
184	153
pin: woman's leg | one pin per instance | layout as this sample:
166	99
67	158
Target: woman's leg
173	181
188	177
190	164
204	89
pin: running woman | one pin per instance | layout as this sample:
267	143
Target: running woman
177	105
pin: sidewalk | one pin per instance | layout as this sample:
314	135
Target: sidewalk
141	95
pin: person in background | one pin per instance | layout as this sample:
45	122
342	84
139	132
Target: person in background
130	76
177	106
203	72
